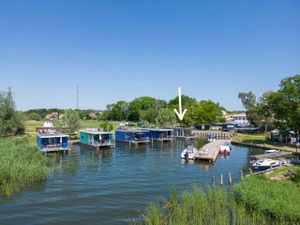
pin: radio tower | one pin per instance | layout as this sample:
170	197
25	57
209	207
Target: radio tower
77	99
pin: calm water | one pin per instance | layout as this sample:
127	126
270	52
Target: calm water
112	186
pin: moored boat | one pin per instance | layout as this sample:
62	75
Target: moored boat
265	164
188	153
225	149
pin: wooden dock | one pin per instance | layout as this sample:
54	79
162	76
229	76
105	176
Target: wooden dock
274	155
212	151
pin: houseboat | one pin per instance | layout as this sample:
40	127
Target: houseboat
161	134
96	138
132	136
184	133
49	139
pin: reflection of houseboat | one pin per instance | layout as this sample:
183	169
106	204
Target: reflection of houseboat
95	138
161	134
184	133
132	136
50	139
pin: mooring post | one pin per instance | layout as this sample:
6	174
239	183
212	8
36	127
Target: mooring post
250	171
213	181
221	180
229	178
241	174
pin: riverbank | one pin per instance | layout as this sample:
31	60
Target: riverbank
257	199
260	141
21	163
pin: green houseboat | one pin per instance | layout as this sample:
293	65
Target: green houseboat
96	138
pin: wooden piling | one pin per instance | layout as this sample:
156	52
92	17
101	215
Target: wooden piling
213	181
229	178
250	171
241	174
221	180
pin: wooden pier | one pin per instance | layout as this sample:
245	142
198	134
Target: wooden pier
209	151
274	155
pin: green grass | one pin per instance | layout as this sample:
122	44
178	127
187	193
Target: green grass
204	207
21	163
277	199
261	140
256	200
30	125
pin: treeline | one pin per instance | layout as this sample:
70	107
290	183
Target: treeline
275	109
40	114
149	110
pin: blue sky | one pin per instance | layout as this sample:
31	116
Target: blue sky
125	49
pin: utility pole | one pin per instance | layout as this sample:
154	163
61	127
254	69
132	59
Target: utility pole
77	97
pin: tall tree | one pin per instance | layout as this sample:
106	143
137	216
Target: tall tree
285	104
165	118
72	120
10	121
138	105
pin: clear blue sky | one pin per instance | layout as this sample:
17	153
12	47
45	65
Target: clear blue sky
125	49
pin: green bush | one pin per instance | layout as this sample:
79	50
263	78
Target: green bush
21	163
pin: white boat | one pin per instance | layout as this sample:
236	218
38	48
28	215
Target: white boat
272	151
264	164
224	149
188	153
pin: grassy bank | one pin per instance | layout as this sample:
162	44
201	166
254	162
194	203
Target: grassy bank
278	199
261	140
256	200
21	163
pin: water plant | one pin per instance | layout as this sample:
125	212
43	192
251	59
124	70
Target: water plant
21	163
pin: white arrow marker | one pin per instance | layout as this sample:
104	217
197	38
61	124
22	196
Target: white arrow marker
180	114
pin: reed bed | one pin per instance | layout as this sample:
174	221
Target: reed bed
206	207
279	199
21	163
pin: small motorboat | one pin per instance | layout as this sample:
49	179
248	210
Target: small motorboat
188	153
272	151
225	149
265	164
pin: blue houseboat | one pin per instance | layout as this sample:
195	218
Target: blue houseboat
132	136
161	134
96	138
52	142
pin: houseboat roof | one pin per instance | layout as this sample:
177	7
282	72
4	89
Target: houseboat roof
157	129
183	128
52	135
132	130
94	132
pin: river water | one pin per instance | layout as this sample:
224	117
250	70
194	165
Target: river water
113	186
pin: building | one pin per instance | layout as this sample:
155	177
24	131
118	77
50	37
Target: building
96	138
161	134
132	136
50	139
239	119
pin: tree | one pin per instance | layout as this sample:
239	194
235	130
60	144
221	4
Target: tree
72	120
138	105
165	118
285	104
10	120
34	116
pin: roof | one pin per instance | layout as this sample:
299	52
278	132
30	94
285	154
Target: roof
132	130
94	132
51	135
157	129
